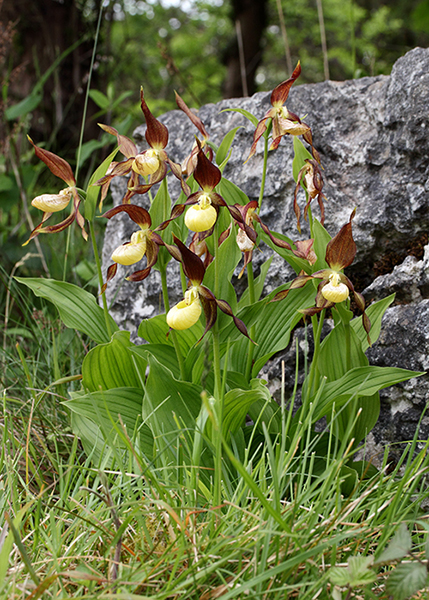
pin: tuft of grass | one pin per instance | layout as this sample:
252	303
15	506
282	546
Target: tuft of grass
75	529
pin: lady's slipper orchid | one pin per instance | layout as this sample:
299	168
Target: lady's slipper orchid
335	287
51	203
284	121
202	218
184	314
152	162
144	242
311	175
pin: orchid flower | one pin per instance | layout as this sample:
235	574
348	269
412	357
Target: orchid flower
51	203
151	162
284	121
144	242
187	312
311	175
335	287
204	204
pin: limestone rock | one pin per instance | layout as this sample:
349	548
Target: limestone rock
372	135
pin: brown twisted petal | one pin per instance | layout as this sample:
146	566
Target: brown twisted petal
57	165
126	146
280	94
136	213
156	133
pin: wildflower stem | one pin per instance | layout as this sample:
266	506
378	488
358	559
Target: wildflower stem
216	347
172	332
317	332
251	346
217	492
264	173
310	219
100	277
66	253
165	289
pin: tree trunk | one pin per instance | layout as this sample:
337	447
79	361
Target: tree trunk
44	29
252	17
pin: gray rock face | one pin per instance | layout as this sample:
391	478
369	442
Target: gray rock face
372	136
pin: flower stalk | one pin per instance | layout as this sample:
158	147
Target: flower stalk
100	277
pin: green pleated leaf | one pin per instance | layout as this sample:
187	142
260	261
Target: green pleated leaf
258	284
301	154
102	409
169	404
265	410
228	257
333	365
164	353
321	240
362	381
111	365
273	322
161	206
155	330
375	314
231	193
238	402
78	309
93	191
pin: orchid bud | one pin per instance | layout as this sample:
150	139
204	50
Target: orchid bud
244	242
129	254
335	291
50	203
202	216
186	313
146	163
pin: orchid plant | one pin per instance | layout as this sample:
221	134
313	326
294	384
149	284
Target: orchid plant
194	381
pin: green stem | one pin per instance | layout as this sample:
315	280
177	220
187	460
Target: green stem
173	333
218	395
310	221
317	332
251	345
165	289
216	344
264	173
66	253
348	346
100	278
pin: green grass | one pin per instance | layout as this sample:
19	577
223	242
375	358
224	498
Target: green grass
128	528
